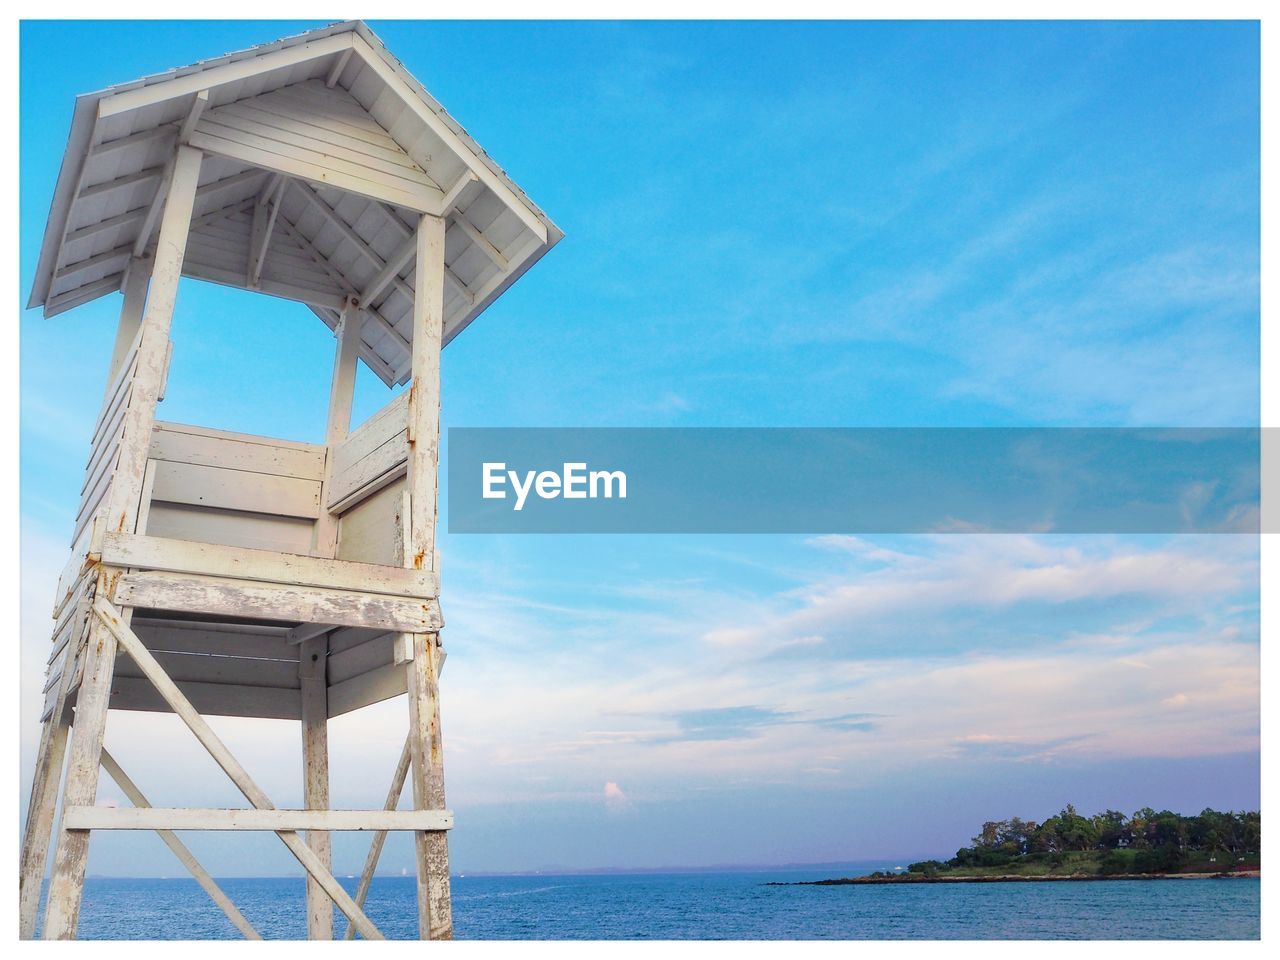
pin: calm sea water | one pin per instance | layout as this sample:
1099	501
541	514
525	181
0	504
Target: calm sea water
702	906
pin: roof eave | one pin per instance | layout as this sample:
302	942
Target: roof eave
362	30
554	236
83	121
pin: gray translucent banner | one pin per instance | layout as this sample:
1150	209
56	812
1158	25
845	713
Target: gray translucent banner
948	480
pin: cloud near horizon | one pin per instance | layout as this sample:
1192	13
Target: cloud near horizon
1044	650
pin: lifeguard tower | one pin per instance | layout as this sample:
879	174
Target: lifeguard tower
216	573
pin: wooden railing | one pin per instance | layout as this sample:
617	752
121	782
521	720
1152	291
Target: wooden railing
214	486
372	457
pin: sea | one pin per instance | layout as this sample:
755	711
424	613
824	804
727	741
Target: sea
723	905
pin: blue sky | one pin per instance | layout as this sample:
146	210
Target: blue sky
776	225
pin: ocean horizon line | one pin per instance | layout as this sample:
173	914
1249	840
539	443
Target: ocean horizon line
564	871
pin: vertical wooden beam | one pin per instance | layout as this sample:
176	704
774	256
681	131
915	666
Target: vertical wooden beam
124	502
315	792
135	299
44	798
435	911
67	883
341	392
424	397
153	349
435	916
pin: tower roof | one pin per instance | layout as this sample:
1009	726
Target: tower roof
320	151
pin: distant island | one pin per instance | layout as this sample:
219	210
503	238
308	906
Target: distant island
1107	846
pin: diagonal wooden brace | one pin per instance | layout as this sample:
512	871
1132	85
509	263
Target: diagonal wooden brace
180	705
180	850
380	838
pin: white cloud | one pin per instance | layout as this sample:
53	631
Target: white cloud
992	574
608	701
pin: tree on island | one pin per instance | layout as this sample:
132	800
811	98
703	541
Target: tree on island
1158	841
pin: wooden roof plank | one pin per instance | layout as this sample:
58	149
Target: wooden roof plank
181	86
451	139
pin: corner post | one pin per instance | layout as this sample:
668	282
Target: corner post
66	886
43	806
124	502
136	281
435	912
312	668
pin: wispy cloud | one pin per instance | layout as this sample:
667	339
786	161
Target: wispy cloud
742	722
907	652
874	611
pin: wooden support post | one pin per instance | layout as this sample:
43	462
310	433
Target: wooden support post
124	499
435	916
315	759
109	617
380	838
202	877
341	392
424	394
44	802
265	212
124	503
67	883
136	281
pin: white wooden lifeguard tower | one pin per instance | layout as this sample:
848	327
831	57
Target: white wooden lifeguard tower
215	573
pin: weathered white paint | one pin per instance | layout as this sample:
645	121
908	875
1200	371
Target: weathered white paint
424	396
338	425
435	910
124	501
239	598
40	812
62	913
220	76
270	820
222	489
313	676
373	456
234	528
136	280
370	531
180	556
181	443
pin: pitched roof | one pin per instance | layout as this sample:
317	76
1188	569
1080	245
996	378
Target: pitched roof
325	142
